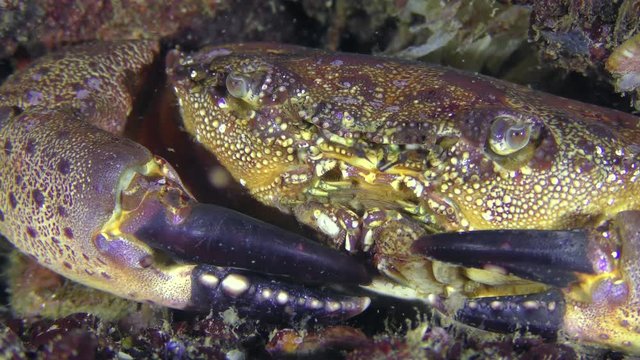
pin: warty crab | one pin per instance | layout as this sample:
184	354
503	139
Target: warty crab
507	208
503	207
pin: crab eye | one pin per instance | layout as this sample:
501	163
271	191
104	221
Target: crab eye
508	135
237	85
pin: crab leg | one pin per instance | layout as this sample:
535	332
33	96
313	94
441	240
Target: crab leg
551	257
539	313
253	294
548	256
73	194
227	238
594	279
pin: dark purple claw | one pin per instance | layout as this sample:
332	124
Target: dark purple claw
540	314
215	235
260	297
548	256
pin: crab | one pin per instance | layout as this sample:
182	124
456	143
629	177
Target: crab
502	207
